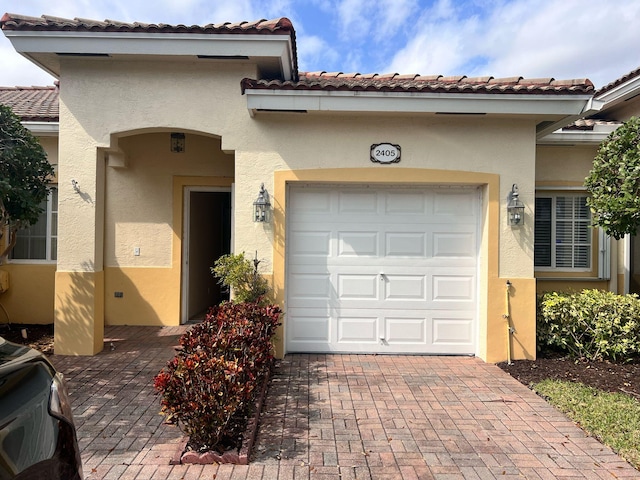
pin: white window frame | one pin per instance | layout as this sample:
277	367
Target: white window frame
49	237
554	194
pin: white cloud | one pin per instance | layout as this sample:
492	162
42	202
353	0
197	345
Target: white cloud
315	54
559	38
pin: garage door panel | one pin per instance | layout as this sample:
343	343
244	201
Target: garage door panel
358	202
358	244
456	203
382	270
453	288
304	244
454	245
401	244
405	287
452	333
358	330
405	203
358	287
304	286
307	201
310	327
406	331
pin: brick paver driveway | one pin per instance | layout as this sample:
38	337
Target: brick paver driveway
336	417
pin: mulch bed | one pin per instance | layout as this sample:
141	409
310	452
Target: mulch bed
39	337
604	375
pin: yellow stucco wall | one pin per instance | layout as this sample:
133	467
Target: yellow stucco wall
30	295
140	205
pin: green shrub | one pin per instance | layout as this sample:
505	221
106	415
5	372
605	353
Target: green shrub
241	275
215	377
591	324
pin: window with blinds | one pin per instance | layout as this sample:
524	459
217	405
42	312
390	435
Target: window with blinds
40	240
562	237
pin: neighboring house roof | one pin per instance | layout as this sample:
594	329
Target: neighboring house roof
395	82
625	78
32	104
590	124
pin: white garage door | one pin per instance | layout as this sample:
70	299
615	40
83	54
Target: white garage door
382	270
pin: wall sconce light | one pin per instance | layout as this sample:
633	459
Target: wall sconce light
261	206
76	187
515	208
177	142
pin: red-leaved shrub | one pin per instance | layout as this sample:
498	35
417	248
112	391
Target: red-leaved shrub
218	371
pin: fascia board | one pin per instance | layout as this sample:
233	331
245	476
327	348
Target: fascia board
573	138
43	129
621	93
176	44
590	107
412	102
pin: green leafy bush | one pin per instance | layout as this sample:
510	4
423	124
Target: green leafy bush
614	181
215	376
590	324
242	276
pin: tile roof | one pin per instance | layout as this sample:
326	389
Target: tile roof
32	104
11	21
395	82
278	26
589	124
625	78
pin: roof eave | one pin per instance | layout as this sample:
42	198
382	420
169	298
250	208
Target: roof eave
415	102
620	93
42	128
590	107
45	47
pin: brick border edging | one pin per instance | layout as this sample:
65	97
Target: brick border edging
239	458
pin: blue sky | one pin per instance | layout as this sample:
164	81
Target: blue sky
596	39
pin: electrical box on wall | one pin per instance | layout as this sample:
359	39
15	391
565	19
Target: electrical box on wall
4	281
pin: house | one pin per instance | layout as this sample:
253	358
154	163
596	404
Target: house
389	225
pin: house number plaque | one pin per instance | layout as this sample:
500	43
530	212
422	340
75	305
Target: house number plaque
385	153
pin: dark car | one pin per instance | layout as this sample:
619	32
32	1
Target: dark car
37	436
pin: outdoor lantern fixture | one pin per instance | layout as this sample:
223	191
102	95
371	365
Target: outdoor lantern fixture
515	208
261	206
177	142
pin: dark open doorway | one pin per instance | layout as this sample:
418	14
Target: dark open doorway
208	236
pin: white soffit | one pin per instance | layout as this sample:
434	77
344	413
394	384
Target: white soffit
414	102
43	47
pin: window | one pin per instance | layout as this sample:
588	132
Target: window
40	240
563	234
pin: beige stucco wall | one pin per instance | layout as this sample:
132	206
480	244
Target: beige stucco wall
563	165
105	106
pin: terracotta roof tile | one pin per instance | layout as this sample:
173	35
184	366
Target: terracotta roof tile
418	83
35	104
589	124
277	26
625	78
11	21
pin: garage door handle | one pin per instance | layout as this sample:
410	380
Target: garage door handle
382	277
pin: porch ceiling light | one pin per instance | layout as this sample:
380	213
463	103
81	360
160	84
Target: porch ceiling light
261	206
177	142
515	208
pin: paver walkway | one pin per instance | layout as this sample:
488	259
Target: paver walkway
336	417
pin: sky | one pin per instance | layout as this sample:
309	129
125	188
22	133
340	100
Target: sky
563	39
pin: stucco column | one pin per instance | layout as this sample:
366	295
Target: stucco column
79	285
